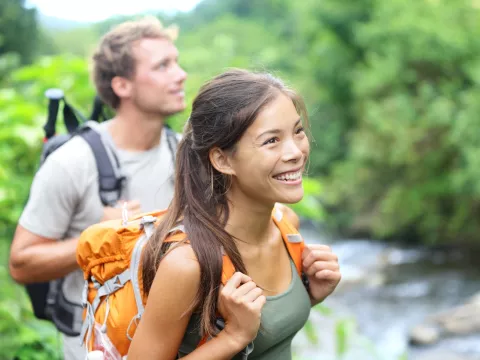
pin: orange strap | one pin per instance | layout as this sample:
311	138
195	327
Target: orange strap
293	241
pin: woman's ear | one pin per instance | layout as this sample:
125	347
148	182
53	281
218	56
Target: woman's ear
220	161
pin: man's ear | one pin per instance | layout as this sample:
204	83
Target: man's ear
121	86
220	161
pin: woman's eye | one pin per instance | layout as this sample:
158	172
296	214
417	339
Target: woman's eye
271	141
300	130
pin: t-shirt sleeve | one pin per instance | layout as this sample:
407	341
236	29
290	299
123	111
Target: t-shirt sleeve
51	203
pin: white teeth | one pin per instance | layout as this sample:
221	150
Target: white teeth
290	176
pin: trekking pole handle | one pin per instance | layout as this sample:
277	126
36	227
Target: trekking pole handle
54	96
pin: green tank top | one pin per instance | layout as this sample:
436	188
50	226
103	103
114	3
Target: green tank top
283	316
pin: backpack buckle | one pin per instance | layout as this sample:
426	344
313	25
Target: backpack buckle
148	219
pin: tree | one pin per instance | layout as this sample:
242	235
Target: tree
412	163
18	30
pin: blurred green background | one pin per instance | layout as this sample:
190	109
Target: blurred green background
393	92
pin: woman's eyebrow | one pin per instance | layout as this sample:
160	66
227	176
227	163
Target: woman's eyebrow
276	131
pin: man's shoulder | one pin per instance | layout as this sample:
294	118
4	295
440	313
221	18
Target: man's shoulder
74	155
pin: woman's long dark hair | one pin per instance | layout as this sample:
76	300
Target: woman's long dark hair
221	113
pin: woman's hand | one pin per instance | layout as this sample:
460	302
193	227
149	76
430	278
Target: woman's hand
240	304
320	264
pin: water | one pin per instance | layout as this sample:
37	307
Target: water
389	289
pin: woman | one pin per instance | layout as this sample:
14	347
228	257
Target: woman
244	149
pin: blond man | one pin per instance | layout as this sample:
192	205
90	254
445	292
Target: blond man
136	72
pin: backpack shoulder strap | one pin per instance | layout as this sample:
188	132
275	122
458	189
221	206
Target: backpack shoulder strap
172	141
292	238
227	269
110	181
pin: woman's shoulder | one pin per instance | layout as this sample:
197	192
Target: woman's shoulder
182	259
178	266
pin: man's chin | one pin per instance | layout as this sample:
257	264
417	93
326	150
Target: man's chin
174	110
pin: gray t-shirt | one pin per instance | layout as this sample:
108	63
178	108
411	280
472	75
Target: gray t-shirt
64	197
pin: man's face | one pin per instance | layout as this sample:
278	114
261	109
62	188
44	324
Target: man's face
157	84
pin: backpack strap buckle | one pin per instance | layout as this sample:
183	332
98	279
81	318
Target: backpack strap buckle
148	219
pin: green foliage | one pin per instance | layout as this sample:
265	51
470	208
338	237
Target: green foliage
310	332
310	207
412	162
22	337
23	110
19	155
18	30
343	331
323	35
78	41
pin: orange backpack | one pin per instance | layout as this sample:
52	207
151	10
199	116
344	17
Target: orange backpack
109	253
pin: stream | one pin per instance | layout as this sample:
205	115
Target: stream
387	289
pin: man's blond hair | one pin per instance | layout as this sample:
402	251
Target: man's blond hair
114	55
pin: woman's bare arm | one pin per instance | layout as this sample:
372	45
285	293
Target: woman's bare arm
168	311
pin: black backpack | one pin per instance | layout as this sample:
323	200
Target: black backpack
47	299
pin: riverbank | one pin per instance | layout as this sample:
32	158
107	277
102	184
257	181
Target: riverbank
389	290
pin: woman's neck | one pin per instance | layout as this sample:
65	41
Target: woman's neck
249	223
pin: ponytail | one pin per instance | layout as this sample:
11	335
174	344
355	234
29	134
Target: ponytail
200	199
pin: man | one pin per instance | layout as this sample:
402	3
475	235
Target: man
136	72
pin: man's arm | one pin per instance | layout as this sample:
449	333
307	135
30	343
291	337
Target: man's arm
34	258
36	253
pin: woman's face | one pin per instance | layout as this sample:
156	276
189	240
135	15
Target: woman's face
269	159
